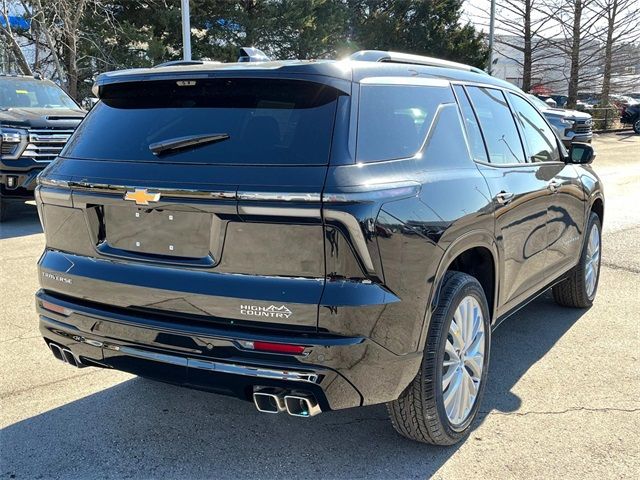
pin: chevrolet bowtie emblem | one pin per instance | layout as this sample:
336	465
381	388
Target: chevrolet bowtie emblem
141	196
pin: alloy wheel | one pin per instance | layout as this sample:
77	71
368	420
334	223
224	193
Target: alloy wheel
463	361
592	261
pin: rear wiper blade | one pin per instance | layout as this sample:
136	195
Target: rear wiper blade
189	141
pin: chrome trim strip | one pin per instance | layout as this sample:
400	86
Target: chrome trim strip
52	131
355	232
371	193
280	196
122	189
364	194
230	368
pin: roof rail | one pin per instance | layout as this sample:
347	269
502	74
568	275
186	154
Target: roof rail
177	63
397	57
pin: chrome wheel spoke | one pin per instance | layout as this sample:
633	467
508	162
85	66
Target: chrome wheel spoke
462	400
450	350
475	365
451	394
448	376
456	333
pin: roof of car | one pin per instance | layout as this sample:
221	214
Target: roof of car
346	70
26	78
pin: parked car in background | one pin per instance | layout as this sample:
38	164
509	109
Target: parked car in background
560	100
631	116
587	101
621	101
570	125
313	235
36	119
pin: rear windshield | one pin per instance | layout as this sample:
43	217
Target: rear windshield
272	122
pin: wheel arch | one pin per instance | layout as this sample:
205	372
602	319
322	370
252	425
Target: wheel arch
471	253
597	207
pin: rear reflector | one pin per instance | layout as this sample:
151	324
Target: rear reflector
56	308
272	347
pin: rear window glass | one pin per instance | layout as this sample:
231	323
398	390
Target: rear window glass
393	120
272	122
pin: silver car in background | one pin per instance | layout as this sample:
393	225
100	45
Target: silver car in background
570	125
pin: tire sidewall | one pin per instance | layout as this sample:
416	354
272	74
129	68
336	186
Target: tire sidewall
473	288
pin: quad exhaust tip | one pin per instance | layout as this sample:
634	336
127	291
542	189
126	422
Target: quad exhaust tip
302	405
270	400
66	355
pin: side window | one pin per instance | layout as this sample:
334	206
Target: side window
471	125
445	147
393	120
498	125
541	142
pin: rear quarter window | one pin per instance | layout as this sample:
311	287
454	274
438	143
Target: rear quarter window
393	120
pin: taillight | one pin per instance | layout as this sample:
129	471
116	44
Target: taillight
52	307
272	347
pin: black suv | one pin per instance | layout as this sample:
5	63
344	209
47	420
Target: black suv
36	120
631	116
313	235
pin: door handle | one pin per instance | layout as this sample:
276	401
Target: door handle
504	197
553	185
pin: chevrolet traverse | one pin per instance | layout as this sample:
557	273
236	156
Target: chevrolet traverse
313	235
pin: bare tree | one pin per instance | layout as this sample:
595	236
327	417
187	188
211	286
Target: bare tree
69	13
526	23
622	21
578	21
60	22
12	43
37	14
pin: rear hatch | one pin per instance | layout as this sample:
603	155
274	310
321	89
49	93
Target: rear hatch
198	197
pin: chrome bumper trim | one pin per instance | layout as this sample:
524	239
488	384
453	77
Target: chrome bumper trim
231	368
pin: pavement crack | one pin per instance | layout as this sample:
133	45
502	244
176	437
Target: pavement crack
41	385
615	266
561	412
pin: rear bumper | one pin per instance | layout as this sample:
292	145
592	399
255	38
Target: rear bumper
340	372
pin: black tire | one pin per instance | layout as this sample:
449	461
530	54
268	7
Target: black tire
636	125
572	292
419	414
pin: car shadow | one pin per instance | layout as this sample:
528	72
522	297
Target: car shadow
626	134
144	429
22	221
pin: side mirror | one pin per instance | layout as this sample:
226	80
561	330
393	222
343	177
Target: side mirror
581	153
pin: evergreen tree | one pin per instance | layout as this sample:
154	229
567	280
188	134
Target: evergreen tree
424	27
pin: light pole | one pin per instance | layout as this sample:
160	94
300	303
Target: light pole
186	31
492	21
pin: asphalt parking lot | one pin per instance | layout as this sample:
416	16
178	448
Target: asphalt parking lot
563	399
